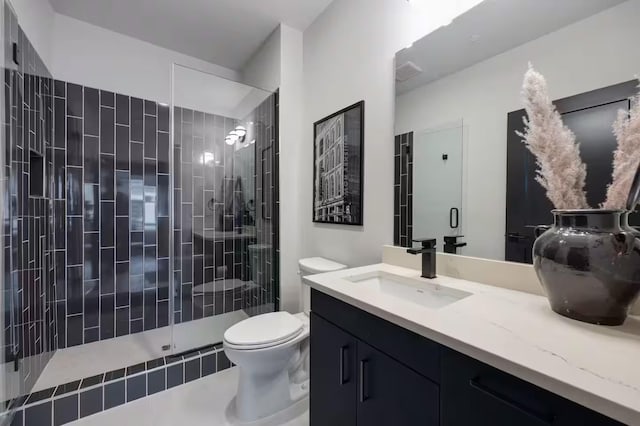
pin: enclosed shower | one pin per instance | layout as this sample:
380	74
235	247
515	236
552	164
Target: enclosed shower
135	232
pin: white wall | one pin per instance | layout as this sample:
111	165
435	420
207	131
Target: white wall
86	54
278	65
263	69
348	56
291	141
36	18
587	55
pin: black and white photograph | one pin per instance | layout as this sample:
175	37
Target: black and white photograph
337	166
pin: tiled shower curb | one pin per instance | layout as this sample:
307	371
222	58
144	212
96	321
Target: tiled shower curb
81	398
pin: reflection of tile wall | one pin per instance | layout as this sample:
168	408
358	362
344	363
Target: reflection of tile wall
27	277
403	190
111	162
208	240
263	295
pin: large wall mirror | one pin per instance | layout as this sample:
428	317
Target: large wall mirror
462	175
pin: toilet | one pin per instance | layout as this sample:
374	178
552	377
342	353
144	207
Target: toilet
270	351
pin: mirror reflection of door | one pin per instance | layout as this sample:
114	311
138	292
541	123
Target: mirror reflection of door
437	183
590	116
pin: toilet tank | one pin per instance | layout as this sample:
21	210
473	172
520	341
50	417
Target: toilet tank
312	266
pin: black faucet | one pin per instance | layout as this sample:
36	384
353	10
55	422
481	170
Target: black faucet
451	244
428	252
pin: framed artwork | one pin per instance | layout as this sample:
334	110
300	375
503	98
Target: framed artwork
338	154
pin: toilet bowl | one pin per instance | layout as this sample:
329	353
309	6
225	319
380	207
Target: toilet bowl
271	351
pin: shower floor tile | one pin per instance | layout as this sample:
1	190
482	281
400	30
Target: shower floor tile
201	402
86	360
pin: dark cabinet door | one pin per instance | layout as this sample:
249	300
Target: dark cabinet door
333	375
390	393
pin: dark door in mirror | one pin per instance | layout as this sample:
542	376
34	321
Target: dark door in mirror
590	116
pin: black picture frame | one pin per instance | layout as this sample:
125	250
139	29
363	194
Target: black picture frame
338	167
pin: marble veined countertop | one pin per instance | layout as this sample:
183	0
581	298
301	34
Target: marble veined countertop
595	366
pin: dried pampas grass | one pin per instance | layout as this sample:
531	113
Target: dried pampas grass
560	169
626	157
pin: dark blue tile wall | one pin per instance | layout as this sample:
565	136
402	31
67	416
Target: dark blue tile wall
107	219
403	190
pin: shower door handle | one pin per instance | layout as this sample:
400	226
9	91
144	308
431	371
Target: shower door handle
454	220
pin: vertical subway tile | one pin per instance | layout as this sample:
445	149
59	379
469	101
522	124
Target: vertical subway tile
91	255
74	191
137	120
92	305
163	117
91	159
107	219
122	147
122	238
91	207
150	136
122	284
122	320
122	193
74	100
59	88
91	111
107	266
107	316
74	332
163	152
107	98
74	141
122	109
150	318
107	177
107	130
74	240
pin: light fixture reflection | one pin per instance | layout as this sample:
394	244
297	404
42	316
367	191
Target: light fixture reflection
207	158
241	132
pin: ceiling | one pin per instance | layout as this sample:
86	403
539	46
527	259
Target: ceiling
490	28
224	32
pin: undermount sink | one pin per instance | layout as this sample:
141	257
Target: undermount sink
420	292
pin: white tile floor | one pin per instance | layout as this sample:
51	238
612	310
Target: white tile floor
201	402
87	360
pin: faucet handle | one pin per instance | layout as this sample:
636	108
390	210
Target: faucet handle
429	243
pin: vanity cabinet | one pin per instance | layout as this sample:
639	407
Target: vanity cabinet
356	384
367	371
489	393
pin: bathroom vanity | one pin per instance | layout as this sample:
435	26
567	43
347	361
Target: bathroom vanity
391	348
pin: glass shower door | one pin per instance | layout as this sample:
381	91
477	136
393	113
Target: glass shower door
437	183
225	206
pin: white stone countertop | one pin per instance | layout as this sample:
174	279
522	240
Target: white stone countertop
595	366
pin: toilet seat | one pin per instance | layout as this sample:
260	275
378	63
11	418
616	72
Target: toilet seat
263	331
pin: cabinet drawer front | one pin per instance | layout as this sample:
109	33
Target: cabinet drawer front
413	350
502	399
